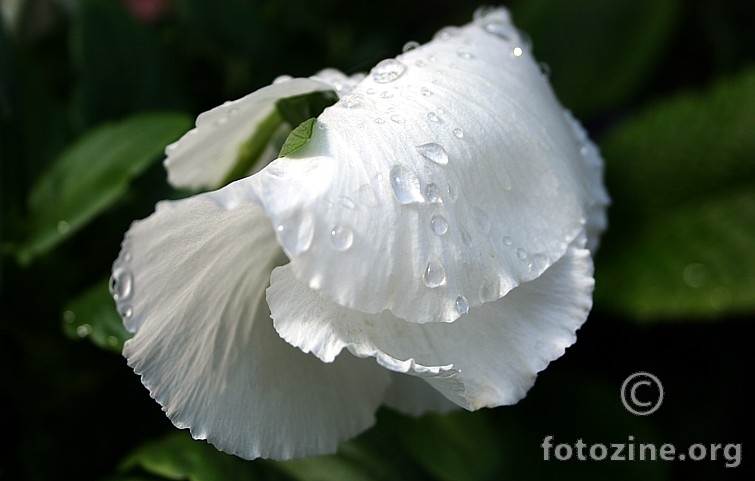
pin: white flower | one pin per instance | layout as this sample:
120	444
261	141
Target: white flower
426	245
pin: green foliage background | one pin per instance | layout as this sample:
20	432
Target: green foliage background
90	94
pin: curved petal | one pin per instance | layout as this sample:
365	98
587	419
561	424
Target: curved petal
190	282
204	156
450	171
489	357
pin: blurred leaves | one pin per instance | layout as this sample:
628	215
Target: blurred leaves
93	174
92	315
682	176
599	53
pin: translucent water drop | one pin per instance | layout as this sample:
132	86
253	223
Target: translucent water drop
397	119
452	193
507	240
439	224
342	237
434	274
464	54
521	254
121	284
432	193
466	238
538	262
388	70
405	185
482	221
409	46
462	305
504	31
434	153
112	340
425	91
386	94
296	236
126	312
83	330
433	117
63	227
486	294
458	133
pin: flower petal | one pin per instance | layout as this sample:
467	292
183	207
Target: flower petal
190	282
450	171
488	357
204	156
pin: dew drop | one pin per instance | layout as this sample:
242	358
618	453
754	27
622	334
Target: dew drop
409	46
387	71
464	54
121	284
434	153
63	227
466	238
452	193
83	330
501	30
508	240
425	91
458	133
485	294
405	185
521	254
446	33
462	305
439	224
433	117
342	237
434	274
296	236
126	312
432	193
397	119
482	221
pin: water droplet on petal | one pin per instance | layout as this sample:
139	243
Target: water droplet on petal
126	312
425	91
434	153
121	284
507	240
517	52
521	254
486	294
452	193
405	185
342	237
296	236
432	193
439	224
482	221
409	46
458	133
370	91
466	238
502	30
465	55
434	274
446	33
433	117
388	70
462	305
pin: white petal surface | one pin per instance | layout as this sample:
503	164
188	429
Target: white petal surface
449	172
488	357
190	281
204	156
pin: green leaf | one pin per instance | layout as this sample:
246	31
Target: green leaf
682	236
298	137
299	108
178	456
695	261
93	315
93	174
599	53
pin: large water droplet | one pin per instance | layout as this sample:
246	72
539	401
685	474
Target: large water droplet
432	193
434	153
482	221
439	224
462	305
405	185
388	70
342	237
121	284
434	274
409	46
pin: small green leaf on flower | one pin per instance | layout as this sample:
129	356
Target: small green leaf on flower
298	137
